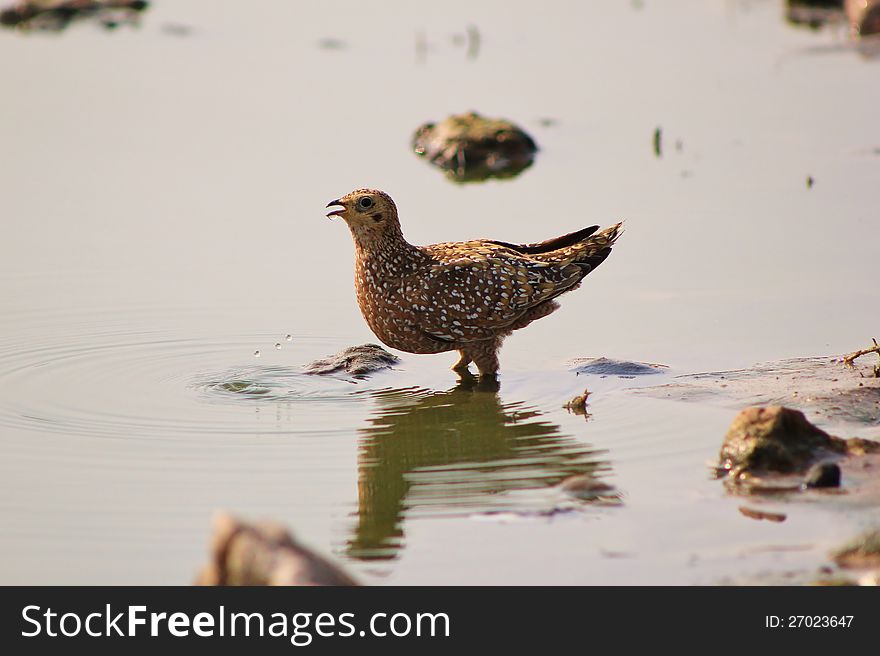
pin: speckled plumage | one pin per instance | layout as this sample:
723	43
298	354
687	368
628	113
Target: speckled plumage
465	296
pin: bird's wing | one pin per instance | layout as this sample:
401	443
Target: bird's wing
474	290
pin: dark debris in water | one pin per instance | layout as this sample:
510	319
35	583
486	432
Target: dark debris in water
57	16
605	367
754	513
356	360
332	43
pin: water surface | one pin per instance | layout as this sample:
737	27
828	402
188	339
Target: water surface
163	191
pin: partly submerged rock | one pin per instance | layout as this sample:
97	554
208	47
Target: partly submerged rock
264	554
472	148
775	439
356	360
861	553
578	405
863	17
620	368
57	15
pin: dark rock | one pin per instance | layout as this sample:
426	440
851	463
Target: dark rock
356	360
774	439
472	148
823	474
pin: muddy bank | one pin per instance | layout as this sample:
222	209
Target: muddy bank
824	388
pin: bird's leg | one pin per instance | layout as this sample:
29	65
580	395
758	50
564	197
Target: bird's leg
485	355
463	362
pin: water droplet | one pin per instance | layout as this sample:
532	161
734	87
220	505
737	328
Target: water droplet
256	354
278	345
288	337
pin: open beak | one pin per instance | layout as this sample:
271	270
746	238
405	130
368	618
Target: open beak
335	212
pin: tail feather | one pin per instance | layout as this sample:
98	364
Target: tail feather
591	253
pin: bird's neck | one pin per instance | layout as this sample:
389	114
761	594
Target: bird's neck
389	241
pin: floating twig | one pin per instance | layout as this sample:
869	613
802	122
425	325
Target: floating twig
849	359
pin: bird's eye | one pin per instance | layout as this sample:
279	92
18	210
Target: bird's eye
365	202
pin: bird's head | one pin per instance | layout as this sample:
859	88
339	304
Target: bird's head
369	213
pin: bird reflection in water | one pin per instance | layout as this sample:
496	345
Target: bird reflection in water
461	451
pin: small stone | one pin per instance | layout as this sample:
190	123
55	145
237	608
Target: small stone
578	405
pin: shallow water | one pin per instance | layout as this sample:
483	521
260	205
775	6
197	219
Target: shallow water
163	196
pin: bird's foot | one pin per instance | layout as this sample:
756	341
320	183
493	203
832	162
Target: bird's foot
462	365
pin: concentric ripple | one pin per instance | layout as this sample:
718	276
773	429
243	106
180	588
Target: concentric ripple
102	379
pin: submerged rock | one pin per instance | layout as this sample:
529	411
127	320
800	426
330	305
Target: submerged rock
472	148
264	554
357	360
57	15
587	488
775	439
621	368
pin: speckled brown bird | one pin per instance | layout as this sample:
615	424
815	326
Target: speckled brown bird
458	296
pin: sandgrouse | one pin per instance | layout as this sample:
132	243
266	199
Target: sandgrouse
463	296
